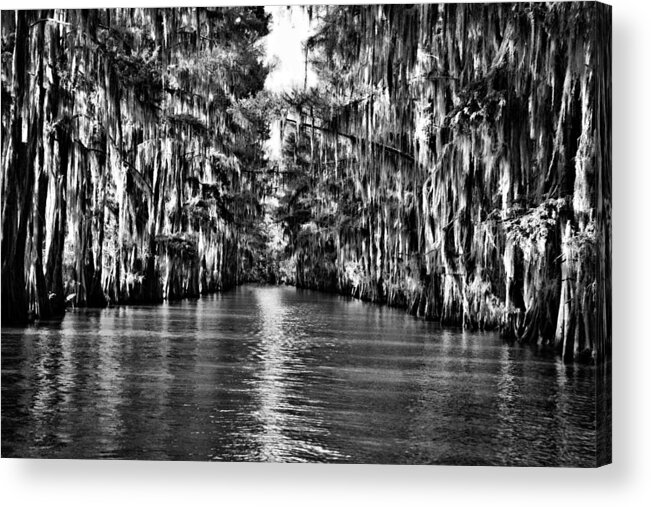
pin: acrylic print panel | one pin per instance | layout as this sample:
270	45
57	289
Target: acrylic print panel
343	234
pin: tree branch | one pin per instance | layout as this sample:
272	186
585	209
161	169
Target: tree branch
49	20
356	139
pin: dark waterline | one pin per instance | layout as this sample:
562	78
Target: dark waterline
279	374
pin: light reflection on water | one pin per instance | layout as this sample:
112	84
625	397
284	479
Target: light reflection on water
279	374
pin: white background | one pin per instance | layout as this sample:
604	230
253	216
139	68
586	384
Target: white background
626	482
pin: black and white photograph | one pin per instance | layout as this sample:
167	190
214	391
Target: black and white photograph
345	234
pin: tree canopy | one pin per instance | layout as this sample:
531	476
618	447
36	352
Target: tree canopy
454	160
132	142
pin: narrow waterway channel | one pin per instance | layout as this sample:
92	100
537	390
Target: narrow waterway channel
280	374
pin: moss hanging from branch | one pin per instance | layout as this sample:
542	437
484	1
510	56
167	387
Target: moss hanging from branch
107	137
479	184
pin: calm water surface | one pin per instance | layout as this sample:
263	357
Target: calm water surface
279	374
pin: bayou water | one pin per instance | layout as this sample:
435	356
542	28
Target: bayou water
281	374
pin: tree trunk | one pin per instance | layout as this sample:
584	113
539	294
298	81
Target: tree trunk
19	180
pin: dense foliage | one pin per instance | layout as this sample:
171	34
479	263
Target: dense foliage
455	161
132	154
